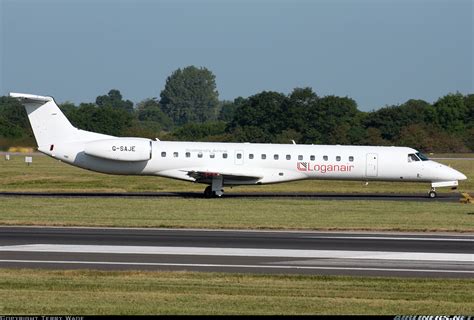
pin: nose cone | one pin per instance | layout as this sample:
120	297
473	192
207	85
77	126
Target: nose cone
444	173
456	175
461	176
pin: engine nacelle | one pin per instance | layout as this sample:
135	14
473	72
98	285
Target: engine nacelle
120	149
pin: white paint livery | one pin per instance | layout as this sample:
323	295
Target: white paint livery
126	149
226	164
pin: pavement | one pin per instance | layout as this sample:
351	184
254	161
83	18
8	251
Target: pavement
274	252
441	197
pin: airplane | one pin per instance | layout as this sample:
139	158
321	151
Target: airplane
226	164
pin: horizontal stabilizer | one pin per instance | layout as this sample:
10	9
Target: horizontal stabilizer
30	98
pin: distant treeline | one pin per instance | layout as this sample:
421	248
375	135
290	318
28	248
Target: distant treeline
189	109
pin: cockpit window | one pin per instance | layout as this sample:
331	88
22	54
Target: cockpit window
422	156
412	157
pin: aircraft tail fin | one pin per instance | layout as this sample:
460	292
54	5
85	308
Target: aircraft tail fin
49	124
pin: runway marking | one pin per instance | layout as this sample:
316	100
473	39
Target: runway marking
242	252
389	238
204	265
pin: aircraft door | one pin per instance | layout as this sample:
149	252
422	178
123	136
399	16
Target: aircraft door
239	157
371	169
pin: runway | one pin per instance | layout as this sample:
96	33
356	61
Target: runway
335	253
444	197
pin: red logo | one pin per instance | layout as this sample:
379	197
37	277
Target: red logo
323	168
302	166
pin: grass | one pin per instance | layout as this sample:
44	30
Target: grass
27	291
131	292
238	213
46	174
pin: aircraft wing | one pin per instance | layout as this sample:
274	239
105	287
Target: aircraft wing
206	175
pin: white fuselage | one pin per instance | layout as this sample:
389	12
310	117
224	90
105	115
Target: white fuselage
270	163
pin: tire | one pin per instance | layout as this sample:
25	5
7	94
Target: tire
432	194
208	192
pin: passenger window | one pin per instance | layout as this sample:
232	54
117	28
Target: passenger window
224	155
188	154
325	158
200	155
250	155
288	157
239	156
312	157
163	154
275	156
175	154
351	159
264	156
338	158
300	157
212	155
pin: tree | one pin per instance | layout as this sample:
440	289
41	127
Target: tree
105	119
190	95
259	118
297	107
200	131
469	103
287	136
451	112
333	117
114	100
469	133
150	121
390	120
9	130
68	108
374	138
227	109
13	111
13	119
150	111
430	139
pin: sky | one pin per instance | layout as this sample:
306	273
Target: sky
378	52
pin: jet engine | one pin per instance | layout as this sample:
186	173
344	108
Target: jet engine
120	149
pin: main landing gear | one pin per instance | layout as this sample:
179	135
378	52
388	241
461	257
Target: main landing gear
208	193
216	189
432	193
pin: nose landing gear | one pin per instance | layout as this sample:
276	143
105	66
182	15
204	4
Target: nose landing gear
432	194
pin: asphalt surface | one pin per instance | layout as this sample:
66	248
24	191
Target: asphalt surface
374	254
444	197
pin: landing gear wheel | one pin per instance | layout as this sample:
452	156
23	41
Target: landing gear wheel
432	194
208	192
215	190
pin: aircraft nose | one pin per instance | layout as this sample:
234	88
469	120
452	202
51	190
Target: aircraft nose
457	175
462	176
